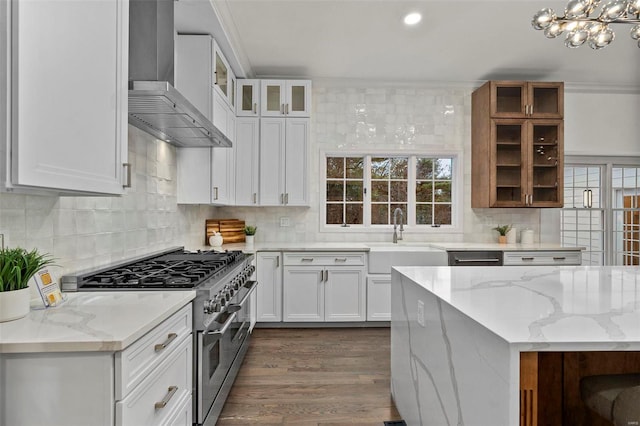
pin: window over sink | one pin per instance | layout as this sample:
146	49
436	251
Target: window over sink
362	191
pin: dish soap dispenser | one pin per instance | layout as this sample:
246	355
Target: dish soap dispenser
216	240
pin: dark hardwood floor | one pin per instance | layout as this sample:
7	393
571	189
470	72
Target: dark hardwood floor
313	376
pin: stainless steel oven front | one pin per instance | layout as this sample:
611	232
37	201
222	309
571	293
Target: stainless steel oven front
219	354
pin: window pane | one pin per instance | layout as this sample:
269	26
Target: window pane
380	214
355	167
335	167
442	168
398	168
443	191
334	214
354	191
424	192
335	191
354	214
424	168
442	214
399	191
379	191
379	168
423	214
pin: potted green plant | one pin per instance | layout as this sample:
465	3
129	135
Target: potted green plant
17	266
502	230
249	233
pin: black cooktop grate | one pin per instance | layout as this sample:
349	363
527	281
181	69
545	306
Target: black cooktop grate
180	269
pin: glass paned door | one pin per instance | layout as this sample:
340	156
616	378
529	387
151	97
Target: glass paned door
582	218
626	215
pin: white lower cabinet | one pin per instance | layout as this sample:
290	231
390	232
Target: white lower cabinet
324	287
379	297
542	258
133	387
269	292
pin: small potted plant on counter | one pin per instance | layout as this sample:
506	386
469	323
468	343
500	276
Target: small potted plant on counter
249	233
502	230
17	266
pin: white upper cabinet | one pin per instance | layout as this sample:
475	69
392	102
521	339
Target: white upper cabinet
283	161
203	175
193	74
224	80
285	98
246	149
63	95
248	98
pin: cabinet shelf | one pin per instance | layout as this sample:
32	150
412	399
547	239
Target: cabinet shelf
509	165
546	165
508	186
509	143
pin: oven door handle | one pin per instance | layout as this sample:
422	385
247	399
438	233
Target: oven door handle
246	296
225	327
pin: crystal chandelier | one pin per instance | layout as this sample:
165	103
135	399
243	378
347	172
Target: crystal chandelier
580	27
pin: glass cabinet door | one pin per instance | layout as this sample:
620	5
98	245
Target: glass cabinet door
248	97
510	162
272	97
298	98
546	100
546	162
222	75
508	99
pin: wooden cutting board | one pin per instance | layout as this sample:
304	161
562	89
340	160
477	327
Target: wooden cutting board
232	230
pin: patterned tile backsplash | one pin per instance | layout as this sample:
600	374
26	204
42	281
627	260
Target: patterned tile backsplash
82	232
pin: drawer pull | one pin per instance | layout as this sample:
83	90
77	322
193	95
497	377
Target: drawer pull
167	398
560	258
161	346
306	259
530	259
341	259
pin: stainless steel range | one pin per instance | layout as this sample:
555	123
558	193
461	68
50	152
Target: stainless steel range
221	310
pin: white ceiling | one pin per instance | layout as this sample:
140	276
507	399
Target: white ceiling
457	41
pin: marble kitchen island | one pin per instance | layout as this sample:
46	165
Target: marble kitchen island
460	335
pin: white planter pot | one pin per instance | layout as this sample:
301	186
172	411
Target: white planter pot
248	240
14	304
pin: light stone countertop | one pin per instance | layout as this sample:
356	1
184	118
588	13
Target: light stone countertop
401	246
91	321
555	308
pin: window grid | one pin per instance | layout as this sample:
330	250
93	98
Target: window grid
626	215
390	182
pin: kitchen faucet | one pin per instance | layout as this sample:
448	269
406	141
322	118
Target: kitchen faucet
395	224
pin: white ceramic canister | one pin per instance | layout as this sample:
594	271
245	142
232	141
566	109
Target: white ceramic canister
216	240
526	236
512	236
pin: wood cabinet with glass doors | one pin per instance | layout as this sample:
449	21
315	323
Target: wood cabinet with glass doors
516	162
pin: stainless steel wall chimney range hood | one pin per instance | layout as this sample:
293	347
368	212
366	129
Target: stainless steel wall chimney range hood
155	106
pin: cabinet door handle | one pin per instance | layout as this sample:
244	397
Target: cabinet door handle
326	275
215	192
531	109
341	259
528	259
286	109
127	166
286	198
281	198
161	346
277	261
167	398
255	198
559	258
306	259
282	108
255	108
530	199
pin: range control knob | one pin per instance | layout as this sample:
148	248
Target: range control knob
209	306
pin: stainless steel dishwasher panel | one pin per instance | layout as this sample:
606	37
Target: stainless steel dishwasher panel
475	258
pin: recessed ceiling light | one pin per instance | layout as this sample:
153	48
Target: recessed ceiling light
412	18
